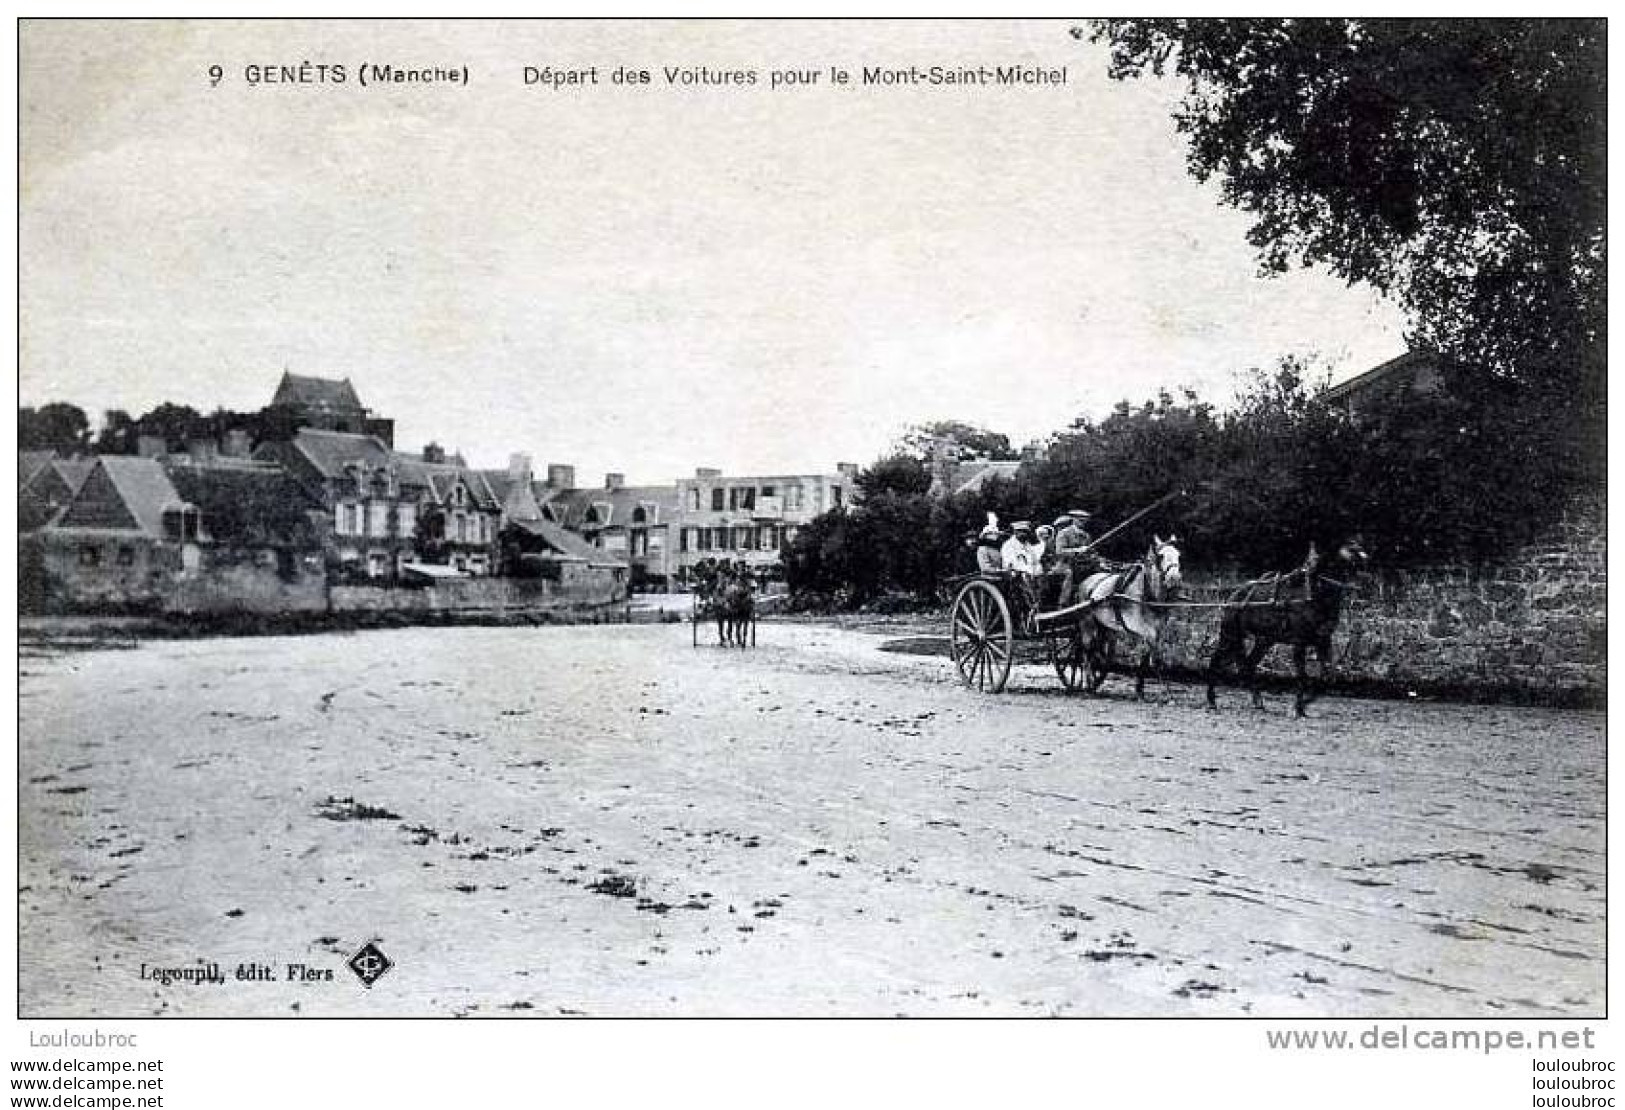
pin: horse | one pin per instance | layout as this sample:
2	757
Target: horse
1258	611
735	607
1127	603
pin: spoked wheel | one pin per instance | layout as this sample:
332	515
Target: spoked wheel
1068	656
983	636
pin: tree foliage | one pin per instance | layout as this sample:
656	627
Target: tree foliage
58	426
1422	478
962	440
1458	165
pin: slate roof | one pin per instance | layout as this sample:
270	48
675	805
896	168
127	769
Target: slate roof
518	498
30	464
968	476
615	507
1410	368
331	452
122	493
567	544
325	394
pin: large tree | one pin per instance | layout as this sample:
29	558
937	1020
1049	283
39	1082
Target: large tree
57	426
1456	165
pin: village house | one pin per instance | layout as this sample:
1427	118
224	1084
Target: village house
137	527
634	524
751	518
391	510
330	405
535	545
1414	373
45	483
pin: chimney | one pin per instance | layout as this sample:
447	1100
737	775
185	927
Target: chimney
519	467
434	453
614	480
707	472
561	476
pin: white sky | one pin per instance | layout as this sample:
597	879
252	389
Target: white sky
644	281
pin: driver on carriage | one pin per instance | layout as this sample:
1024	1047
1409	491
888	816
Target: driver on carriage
1074	551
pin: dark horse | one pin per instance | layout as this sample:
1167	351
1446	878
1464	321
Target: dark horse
726	594
1301	609
735	607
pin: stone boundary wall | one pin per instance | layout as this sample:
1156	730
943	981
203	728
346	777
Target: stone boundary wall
493	596
245	588
1533	624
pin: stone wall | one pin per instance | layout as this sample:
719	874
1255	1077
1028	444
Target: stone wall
246	587
487	596
1531	625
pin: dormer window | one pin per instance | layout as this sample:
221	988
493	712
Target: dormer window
181	523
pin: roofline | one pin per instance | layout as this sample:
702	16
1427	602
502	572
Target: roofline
1376	373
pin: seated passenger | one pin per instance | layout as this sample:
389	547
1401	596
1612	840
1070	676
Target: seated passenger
988	559
1022	552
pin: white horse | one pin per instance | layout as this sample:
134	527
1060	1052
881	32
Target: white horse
1126	604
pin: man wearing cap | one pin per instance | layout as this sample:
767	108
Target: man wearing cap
1072	545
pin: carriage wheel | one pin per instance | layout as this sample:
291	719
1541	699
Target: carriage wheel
983	636
1069	658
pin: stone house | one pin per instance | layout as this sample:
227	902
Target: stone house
634	524
139	530
330	405
751	518
119	539
45	483
391	508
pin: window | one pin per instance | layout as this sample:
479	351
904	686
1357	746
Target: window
694	498
682	541
793	497
126	556
770	491
716	500
640	515
835	496
770	538
591	517
406	520
90	556
378	518
181	524
742	497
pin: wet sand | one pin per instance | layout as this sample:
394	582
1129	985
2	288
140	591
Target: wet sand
606	821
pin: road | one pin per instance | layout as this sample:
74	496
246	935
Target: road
606	821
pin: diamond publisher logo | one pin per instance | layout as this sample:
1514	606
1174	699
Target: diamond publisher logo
370	964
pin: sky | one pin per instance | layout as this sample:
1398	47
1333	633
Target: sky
635	279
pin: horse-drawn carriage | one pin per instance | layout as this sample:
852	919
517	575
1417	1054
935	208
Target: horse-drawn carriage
992	612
